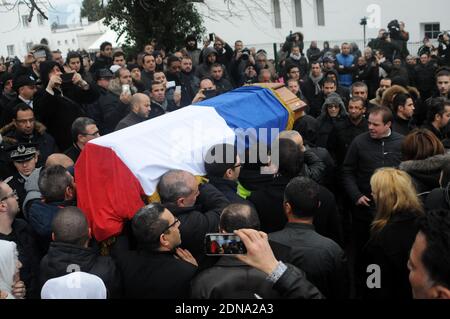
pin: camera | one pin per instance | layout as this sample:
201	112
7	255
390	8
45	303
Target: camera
441	36
245	54
363	21
385	35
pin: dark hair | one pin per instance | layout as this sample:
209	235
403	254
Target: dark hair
73	55
118	53
219	159
302	194
146	55
289	67
399	100
327	80
79	127
172	59
435	226
70	226
53	182
21	107
147	226
239	216
104	45
442	72
172	186
421	144
437	107
291	158
385	112
357	99
216	65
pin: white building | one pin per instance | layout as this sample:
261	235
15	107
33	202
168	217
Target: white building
261	23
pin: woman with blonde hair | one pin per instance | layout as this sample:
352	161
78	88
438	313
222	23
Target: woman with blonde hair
393	232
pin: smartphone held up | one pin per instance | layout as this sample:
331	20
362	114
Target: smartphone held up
224	245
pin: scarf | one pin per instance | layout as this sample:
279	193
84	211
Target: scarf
295	57
316	81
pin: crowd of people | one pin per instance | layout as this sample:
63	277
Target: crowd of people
363	178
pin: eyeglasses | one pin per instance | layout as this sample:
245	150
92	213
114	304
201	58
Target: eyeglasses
170	226
13	194
237	166
332	106
93	134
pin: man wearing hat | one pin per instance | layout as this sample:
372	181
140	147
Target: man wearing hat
25	86
24	157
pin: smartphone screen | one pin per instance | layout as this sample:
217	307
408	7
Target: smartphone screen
67	77
224	245
39	54
211	37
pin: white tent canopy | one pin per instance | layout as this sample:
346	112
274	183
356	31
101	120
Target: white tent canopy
108	36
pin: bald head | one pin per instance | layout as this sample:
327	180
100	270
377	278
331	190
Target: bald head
238	216
70	226
140	104
293	136
59	159
176	184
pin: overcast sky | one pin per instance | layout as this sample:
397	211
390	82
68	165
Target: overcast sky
63	11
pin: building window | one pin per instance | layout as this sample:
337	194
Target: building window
320	12
298	13
432	30
73	41
29	46
25	22
11	50
40	19
66	42
59	43
277	13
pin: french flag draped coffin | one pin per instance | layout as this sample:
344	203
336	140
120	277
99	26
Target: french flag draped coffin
116	173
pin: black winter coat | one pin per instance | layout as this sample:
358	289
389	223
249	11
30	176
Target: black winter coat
342	137
107	111
152	274
389	249
323	261
201	219
230	278
61	256
439	198
229	189
269	205
57	112
364	157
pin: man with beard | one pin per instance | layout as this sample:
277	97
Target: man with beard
192	50
190	81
